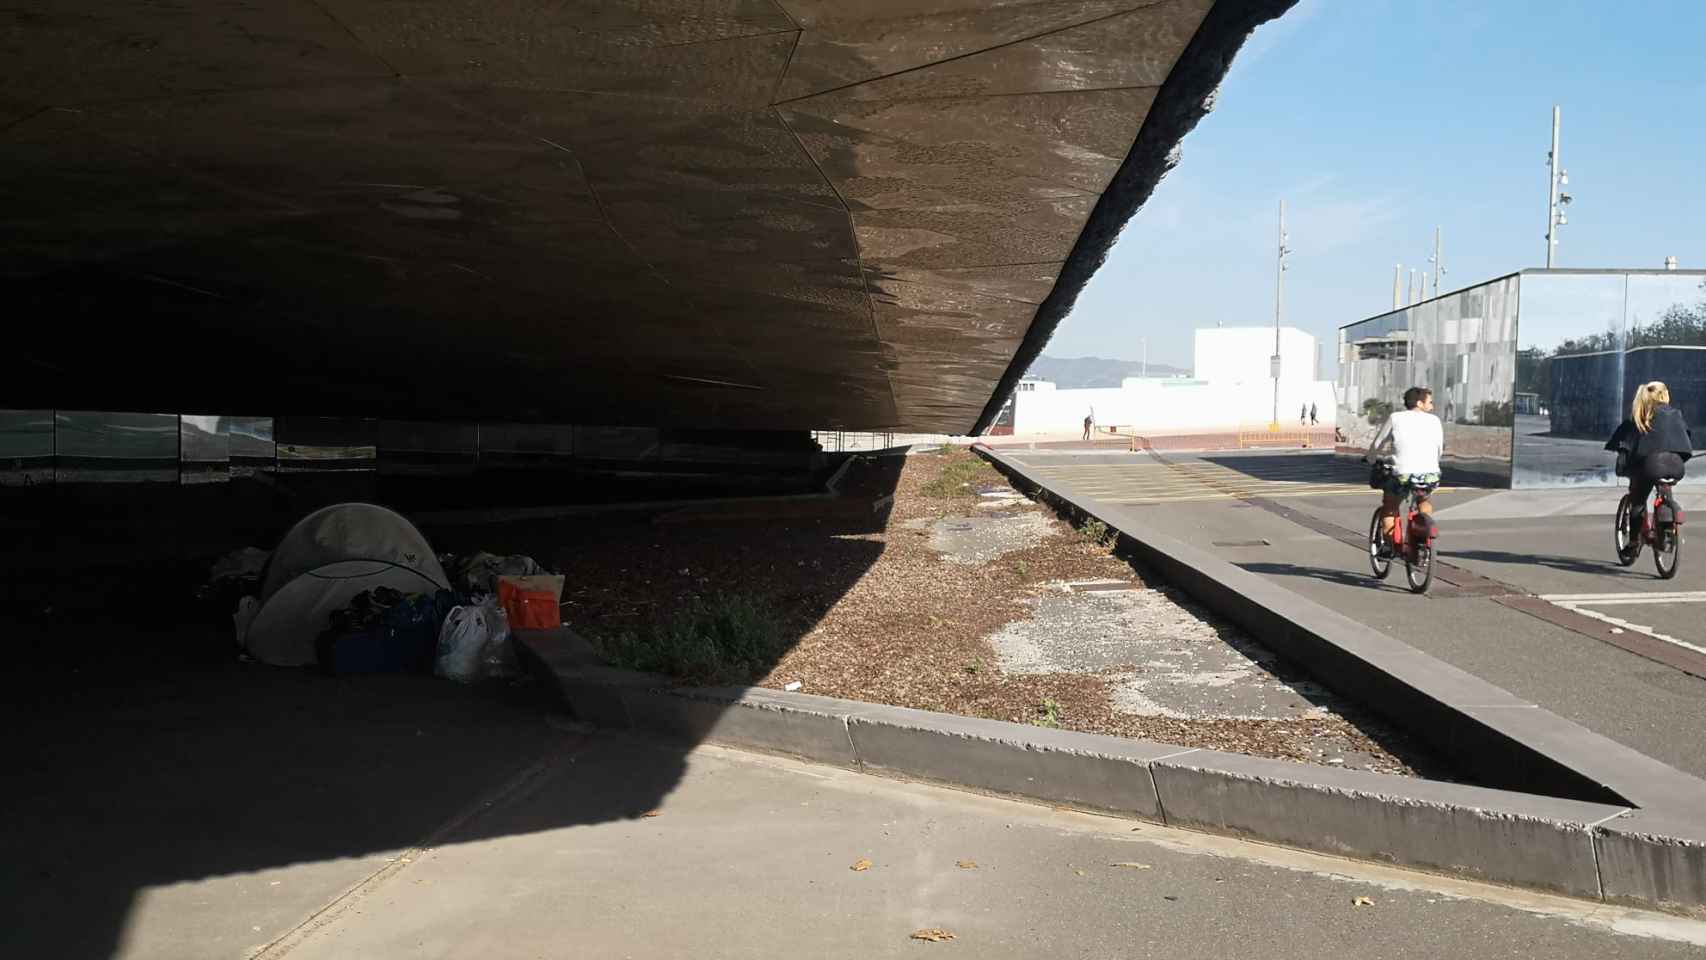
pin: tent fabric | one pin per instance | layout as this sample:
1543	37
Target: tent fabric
326	559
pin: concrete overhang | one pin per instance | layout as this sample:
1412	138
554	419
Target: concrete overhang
711	213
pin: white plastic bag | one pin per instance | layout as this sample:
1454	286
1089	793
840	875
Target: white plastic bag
241	619
498	658
462	644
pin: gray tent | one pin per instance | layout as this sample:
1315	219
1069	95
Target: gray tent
327	558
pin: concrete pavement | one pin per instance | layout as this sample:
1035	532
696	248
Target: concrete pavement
752	856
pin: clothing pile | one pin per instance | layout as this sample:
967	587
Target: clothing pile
384	631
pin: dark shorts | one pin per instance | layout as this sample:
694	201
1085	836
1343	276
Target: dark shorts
1398	487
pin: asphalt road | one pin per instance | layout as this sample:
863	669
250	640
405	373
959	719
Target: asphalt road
1282	514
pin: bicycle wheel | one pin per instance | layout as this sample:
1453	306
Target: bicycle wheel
1628	539
1667	549
1380	564
1419	568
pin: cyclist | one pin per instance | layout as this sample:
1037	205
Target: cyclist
1418	439
1652	445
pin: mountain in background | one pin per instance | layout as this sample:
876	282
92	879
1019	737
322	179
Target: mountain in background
1076	373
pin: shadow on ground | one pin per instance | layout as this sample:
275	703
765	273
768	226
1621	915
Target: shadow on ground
1348	578
145	758
1550	561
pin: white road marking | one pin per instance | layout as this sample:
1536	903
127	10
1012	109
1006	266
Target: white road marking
1579	603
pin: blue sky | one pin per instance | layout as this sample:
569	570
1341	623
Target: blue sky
1376	120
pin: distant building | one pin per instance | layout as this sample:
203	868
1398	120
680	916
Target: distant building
1232	387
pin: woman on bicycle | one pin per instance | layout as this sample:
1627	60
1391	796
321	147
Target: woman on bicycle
1652	445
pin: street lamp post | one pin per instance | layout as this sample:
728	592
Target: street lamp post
1556	200
1279	310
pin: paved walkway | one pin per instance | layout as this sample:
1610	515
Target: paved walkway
754	857
1298	519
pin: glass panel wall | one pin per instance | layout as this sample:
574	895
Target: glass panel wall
1462	347
1588	341
204	445
26	447
1570	356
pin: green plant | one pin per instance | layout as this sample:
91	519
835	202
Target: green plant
1022	567
959	476
975	667
1048	713
728	638
1096	532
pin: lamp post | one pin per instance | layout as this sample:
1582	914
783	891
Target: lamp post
1556	199
1279	310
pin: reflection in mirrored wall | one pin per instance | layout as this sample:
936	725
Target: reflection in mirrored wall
204	444
413	448
252	448
26	447
1587	341
1461	347
327	444
101	447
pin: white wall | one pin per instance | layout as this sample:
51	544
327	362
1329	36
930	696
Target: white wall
1173	405
1240	354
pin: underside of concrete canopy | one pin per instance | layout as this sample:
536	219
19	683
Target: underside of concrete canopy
771	214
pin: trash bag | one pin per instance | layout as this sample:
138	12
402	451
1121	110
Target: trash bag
462	644
499	658
241	619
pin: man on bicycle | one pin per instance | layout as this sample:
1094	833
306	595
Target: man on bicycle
1418	439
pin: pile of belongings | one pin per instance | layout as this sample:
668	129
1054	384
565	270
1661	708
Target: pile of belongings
478	574
384	631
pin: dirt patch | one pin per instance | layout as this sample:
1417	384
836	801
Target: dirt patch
904	607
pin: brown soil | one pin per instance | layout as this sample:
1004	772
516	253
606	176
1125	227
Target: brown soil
880	616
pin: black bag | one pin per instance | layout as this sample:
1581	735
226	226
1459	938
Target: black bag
1379	474
1622	466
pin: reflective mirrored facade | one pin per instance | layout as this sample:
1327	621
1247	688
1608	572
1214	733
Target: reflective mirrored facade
1531	372
1460	346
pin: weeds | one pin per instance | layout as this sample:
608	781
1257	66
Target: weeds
959	477
1097	533
1048	714
1022	567
729	638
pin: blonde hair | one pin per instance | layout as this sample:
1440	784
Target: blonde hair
1647	397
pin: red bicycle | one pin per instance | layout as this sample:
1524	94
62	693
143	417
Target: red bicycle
1412	539
1661	526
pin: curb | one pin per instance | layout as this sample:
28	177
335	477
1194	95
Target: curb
1654	856
1583	849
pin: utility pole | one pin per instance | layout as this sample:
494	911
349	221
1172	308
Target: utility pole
1414	298
1556	200
1397	274
1279	309
1438	260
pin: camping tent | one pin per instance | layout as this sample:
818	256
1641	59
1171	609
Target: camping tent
327	558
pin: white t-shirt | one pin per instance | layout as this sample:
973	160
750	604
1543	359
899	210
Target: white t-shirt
1417	441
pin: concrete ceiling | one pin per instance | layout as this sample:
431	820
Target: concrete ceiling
719	213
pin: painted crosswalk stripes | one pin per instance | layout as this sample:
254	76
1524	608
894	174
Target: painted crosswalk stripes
1137	482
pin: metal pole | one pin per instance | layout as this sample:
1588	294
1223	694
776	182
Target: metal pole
1438	262
1397	275
1279	308
1552	192
1145	358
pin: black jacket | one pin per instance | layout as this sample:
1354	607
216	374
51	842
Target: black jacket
1669	434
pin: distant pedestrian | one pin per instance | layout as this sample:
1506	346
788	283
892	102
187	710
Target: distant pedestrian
1303	414
1312	420
1089	422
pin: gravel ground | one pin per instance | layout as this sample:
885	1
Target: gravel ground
961	599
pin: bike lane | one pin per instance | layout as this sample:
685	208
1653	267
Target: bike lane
1305	535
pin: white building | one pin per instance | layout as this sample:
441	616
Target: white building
1232	388
1243	354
